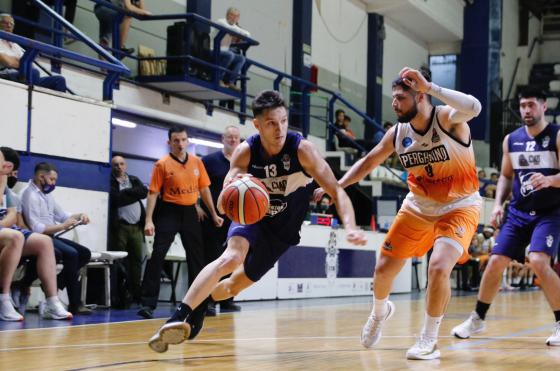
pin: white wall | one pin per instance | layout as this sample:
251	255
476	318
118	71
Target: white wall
270	23
339	38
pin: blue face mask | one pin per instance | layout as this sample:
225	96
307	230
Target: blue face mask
48	188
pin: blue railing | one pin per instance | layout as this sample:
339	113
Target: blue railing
33	48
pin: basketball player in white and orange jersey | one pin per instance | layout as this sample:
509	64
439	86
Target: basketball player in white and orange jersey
442	207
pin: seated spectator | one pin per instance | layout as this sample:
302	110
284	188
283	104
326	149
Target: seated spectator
486	242
10	55
379	134
489	189
36	245
231	58
107	17
44	215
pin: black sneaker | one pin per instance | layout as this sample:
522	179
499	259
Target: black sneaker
146	312
229	306
211	310
196	320
126	50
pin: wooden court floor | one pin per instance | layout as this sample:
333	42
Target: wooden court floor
299	337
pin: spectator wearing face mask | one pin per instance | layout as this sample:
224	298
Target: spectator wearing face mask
44	215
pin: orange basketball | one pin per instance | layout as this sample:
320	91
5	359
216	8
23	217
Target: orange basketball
245	200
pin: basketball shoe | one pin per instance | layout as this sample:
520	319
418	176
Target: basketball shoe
554	339
170	333
473	325
424	349
8	312
371	333
55	310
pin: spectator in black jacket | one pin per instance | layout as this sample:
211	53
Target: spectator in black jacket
126	221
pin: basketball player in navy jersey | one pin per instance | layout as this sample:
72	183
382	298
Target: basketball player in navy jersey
287	164
530	168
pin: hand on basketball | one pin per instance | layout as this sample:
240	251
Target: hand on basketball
415	80
356	237
149	229
496	216
540	181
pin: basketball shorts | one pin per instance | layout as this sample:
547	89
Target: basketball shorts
264	248
26	233
412	234
542	233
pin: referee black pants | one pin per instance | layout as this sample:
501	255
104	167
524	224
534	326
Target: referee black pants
170	219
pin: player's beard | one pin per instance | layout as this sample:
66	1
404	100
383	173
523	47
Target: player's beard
408	116
531	120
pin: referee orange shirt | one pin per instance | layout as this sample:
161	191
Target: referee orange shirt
179	182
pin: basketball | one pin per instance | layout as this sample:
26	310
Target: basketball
245	200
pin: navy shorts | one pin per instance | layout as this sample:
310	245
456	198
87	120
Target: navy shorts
264	248
540	232
26	232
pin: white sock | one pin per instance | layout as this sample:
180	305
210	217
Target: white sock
431	326
5	297
380	307
52	300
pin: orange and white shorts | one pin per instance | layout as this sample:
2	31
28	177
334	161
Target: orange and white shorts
413	234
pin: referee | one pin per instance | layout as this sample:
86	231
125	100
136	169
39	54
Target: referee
177	180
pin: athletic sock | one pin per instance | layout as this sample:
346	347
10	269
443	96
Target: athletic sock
5	297
431	326
181	313
557	315
380	307
481	309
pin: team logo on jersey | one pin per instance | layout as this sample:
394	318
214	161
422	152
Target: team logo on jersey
418	158
435	136
286	161
387	246
424	145
526	187
429	170
196	173
276	206
545	141
460	231
549	240
406	142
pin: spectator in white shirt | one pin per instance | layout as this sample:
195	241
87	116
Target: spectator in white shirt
10	55
43	215
231	59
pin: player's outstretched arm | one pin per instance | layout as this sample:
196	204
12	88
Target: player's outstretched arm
461	107
503	189
373	159
318	168
238	166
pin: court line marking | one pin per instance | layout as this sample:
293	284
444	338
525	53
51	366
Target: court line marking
482	340
70	326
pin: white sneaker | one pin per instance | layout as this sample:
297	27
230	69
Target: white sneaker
8	312
56	311
169	333
371	333
554	339
424	349
473	325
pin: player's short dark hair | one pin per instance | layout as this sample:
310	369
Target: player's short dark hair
175	129
11	155
339	111
532	93
45	167
347	118
425	71
267	99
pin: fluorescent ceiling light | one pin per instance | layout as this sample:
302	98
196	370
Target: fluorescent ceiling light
123	123
207	143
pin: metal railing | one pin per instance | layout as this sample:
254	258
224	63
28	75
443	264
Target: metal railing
33	49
